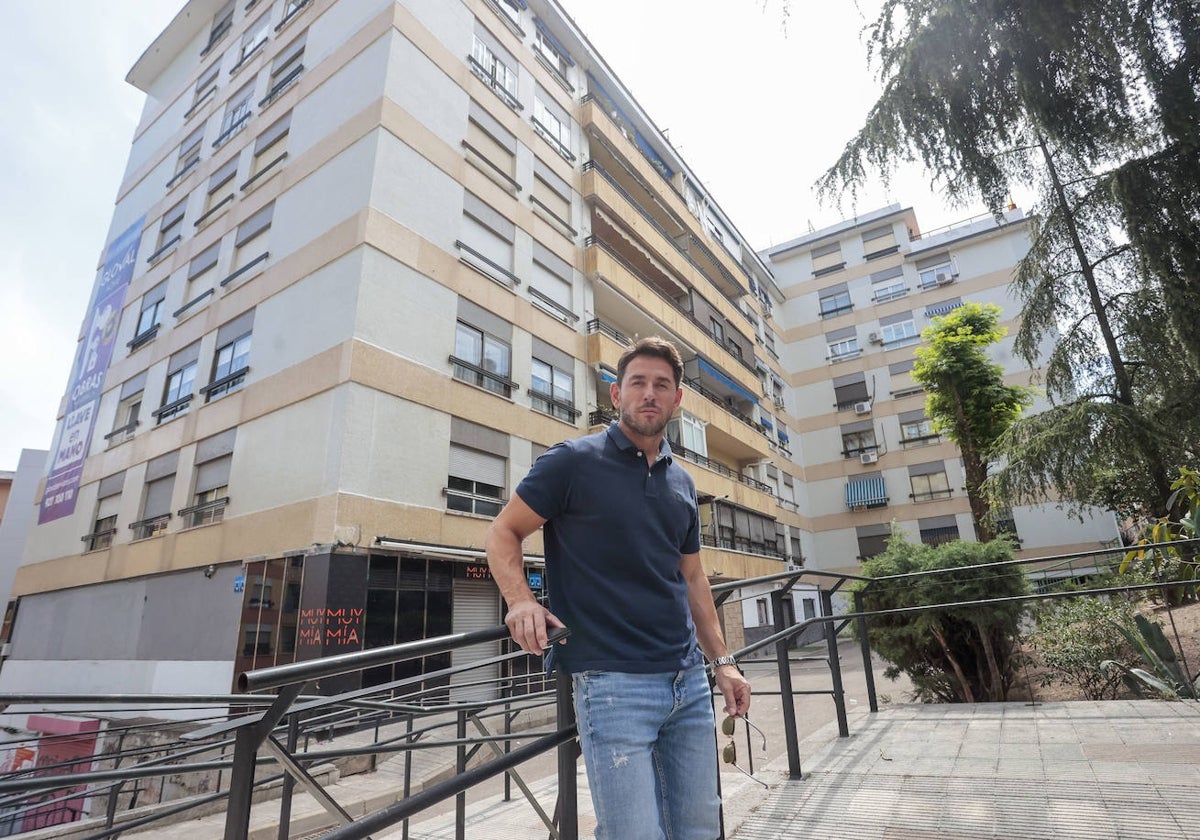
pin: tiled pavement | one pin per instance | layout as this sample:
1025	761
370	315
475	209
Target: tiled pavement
1061	771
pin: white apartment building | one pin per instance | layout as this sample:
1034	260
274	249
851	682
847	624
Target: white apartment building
859	293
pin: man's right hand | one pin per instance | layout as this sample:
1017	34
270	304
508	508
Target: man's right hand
527	622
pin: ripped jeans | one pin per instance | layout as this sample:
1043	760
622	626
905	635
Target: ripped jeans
650	752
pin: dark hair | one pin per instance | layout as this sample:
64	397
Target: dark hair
655	347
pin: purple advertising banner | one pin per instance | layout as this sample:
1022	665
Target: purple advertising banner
87	377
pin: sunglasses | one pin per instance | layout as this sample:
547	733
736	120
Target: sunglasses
729	752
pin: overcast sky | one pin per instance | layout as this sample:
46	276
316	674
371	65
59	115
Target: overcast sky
759	109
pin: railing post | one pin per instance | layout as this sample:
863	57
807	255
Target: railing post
460	767
241	784
786	701
865	645
568	753
835	664
289	783
408	728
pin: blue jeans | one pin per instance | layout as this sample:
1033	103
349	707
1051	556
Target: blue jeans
650	752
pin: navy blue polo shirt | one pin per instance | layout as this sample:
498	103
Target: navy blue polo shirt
615	530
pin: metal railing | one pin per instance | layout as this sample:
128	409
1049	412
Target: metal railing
397	718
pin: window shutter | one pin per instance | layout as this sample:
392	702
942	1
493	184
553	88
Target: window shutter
213	474
474	465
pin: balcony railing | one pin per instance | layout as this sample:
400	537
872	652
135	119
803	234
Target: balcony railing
472	374
716	466
597	326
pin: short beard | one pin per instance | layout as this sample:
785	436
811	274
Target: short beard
643	428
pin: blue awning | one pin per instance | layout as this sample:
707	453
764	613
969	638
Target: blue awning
942	308
766	421
607	375
557	44
708	368
783	436
866	492
521	3
649	151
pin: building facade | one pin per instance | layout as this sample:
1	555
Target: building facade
859	293
368	260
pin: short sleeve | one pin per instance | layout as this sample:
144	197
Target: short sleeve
547	486
691	540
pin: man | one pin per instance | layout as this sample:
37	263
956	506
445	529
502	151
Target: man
622	536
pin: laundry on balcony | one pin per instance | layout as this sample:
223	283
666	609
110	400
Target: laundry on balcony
866	493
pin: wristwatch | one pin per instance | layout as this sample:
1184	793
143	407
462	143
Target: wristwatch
727	659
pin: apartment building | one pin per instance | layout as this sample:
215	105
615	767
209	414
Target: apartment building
367	261
858	295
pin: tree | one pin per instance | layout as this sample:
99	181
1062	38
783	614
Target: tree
967	397
1075	636
955	655
1096	102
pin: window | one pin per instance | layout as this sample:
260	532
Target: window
170	229
888	284
482	359
487	241
550	284
150	316
493	146
250	248
181	377
231	361
476	481
858	438
900	334
872	540
257	640
844	348
270	149
212	493
206	85
237	114
285	70
850	390
917	432
156	503
254	38
879	242
936	271
761	608
105	524
827	259
204	262
552	383
220	190
936	530
834	301
547	48
741	529
129	410
687	431
551	194
222	23
929	482
553	124
290	9
189	154
494	66
717	329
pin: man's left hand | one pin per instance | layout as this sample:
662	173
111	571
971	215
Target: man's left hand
735	688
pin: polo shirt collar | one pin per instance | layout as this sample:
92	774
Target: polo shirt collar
623	443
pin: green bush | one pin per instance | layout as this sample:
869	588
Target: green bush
954	655
1074	636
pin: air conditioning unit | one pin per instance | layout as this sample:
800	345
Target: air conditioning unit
874	338
862	407
868	457
792	567
945	278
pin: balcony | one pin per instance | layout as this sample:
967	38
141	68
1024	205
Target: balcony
671	305
615	145
663	236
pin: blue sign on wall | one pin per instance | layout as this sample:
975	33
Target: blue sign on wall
535	579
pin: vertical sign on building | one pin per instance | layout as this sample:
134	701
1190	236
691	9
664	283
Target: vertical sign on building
87	376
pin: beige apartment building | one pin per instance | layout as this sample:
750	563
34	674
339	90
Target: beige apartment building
368	260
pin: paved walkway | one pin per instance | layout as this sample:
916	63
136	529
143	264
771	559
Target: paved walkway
1061	771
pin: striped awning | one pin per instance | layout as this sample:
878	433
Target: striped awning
866	492
942	308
